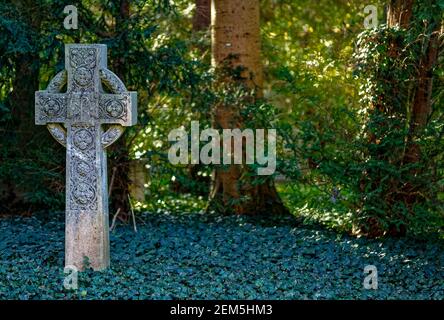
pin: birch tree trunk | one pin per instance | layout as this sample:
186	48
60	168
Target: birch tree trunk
236	41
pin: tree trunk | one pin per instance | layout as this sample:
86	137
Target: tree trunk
202	15
422	103
236	40
119	161
399	13
201	22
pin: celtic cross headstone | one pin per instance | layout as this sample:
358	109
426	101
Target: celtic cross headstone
86	120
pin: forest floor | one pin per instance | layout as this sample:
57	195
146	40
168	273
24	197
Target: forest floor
212	257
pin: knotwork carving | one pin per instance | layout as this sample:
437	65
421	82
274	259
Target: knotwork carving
77	119
83	61
58	133
83	139
111	135
83	57
55	86
112	107
115	85
57	83
111	81
83	171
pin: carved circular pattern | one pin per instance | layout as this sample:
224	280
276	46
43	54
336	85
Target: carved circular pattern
83	139
83	57
114	108
83	168
52	107
84	193
83	76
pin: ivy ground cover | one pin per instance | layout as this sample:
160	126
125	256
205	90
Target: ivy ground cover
203	256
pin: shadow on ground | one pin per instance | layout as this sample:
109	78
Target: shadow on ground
211	257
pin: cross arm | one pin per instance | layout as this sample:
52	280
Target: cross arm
50	107
118	108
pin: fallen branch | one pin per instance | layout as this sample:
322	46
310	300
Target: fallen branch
114	219
132	213
112	182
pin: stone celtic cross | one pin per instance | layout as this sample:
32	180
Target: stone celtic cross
86	120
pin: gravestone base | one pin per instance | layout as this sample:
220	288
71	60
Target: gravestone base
87	240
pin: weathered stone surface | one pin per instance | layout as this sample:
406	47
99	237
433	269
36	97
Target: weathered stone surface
75	120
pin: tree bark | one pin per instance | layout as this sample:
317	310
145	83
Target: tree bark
400	13
119	160
236	41
422	103
202	15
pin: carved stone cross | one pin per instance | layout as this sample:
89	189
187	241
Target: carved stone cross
86	120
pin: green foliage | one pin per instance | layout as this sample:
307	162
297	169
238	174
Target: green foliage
201	256
345	134
308	47
156	63
398	191
339	100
